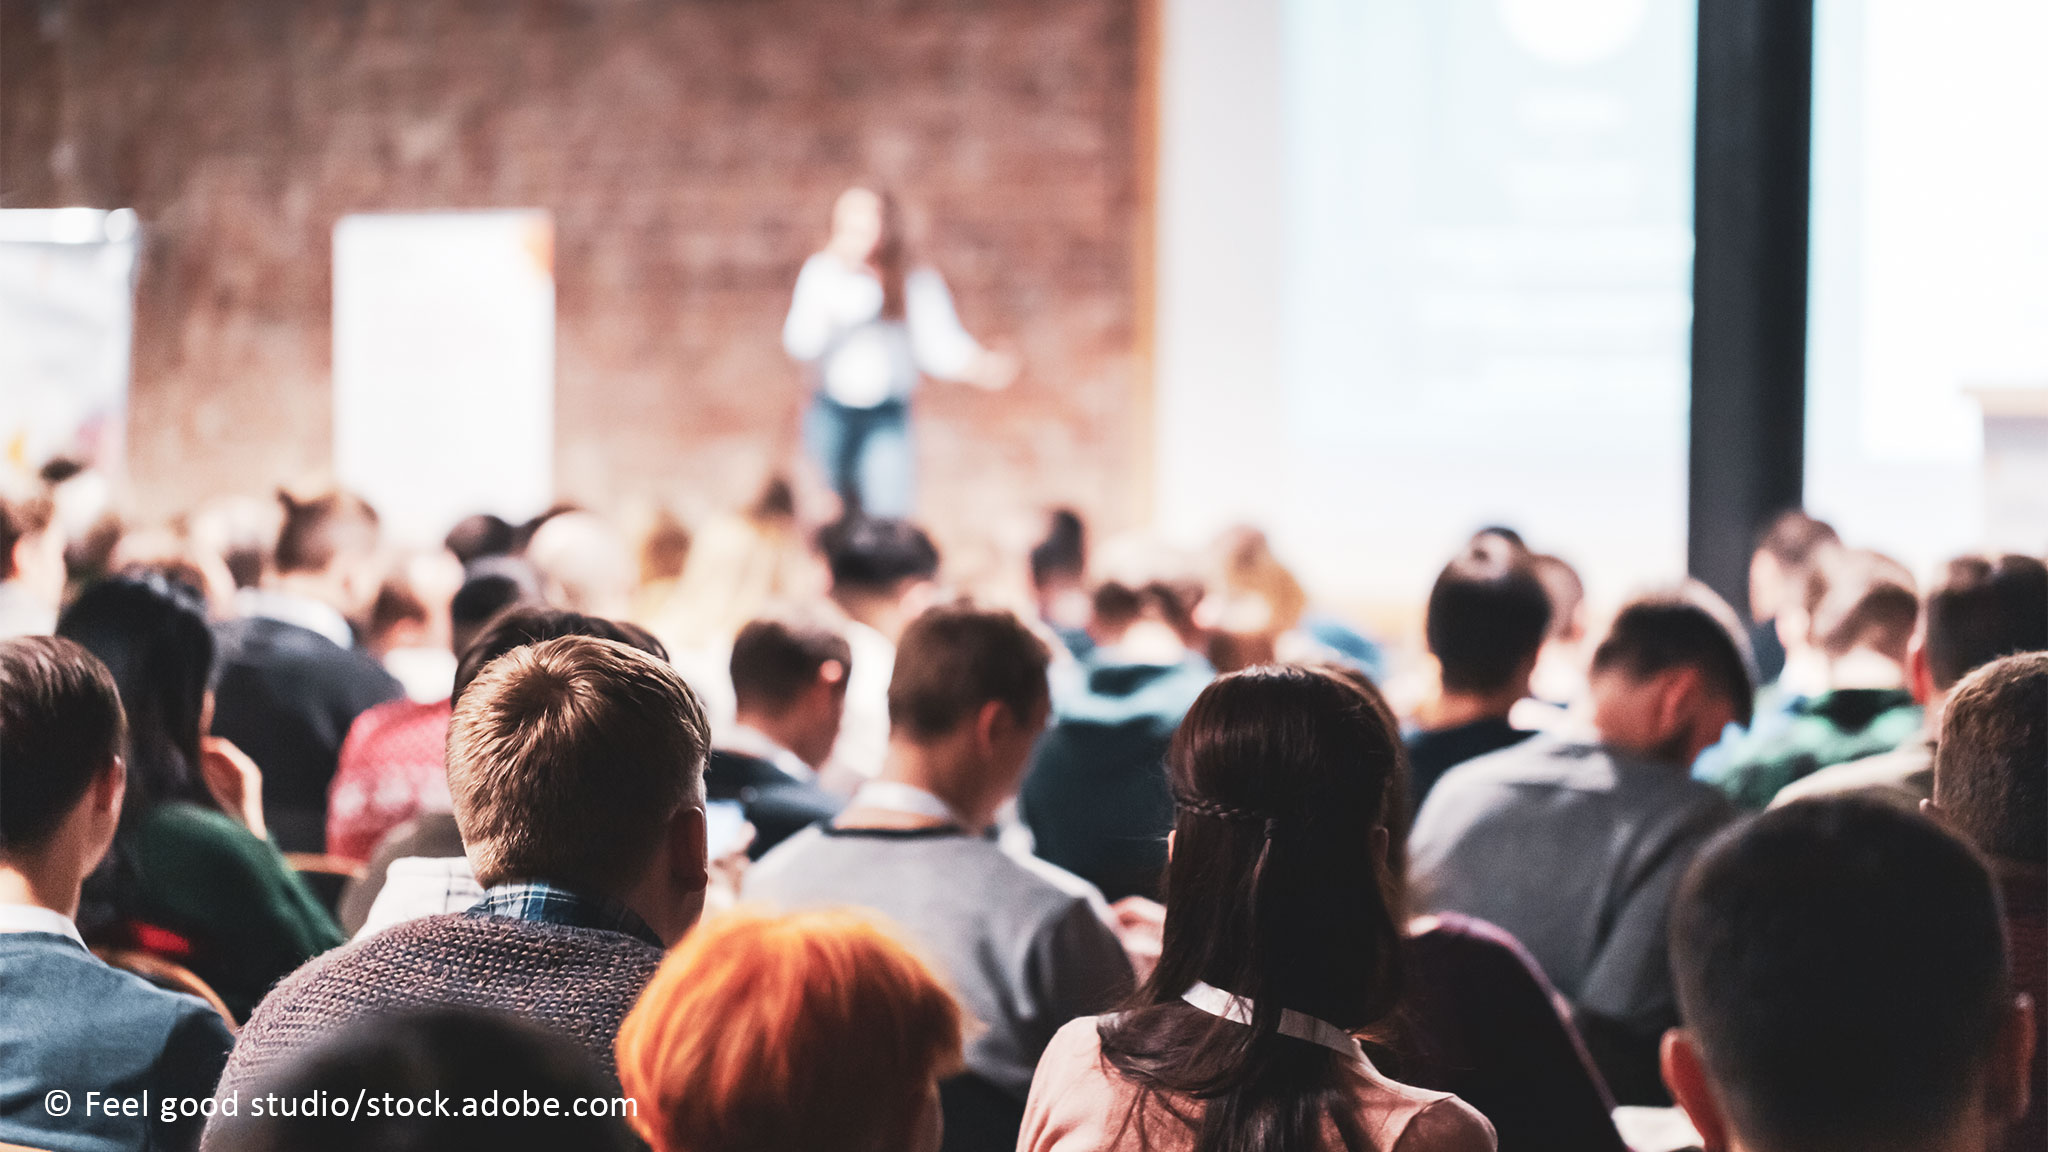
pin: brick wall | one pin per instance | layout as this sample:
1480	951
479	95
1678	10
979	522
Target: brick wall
689	151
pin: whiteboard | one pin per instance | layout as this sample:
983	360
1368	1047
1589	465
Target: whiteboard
444	366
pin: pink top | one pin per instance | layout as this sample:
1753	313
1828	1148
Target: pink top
392	768
1077	1105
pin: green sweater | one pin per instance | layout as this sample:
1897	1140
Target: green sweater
249	918
1814	733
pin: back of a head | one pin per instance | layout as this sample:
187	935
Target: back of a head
776	658
815	1031
957	657
1567	593
1280	774
568	758
1857	598
1991	762
481	536
1487	617
527	623
1981	608
1276	892
1794	539
1686	627
870	554
151	634
503	1064
489	587
1064	551
584	561
1842	968
60	725
319	530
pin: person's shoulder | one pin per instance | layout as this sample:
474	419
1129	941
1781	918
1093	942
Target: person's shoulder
97	991
1489	780
1446	1124
207	834
1042	881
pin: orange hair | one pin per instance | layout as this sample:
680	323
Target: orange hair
760	1034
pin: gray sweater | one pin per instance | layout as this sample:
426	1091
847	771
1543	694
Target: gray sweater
579	982
1025	944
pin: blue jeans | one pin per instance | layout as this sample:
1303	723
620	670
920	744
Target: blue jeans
866	454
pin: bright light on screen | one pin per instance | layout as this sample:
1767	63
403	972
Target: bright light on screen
1930	260
1484	291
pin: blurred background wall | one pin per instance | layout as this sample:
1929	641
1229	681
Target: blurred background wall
688	152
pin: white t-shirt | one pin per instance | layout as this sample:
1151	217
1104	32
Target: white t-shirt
861	359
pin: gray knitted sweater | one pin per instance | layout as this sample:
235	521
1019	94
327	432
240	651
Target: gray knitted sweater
579	982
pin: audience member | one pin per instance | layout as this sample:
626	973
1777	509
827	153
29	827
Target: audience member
291	680
409	629
420	862
1486	622
1843	979
576	767
1785	554
66	1019
1991	785
1574	846
492	1062
391	767
883	574
1860	608
1027	945
192	875
481	537
1095	797
32	569
1478	1019
1980	609
1280	946
1560	679
789	681
1059	579
584	563
815	1031
661	545
242	531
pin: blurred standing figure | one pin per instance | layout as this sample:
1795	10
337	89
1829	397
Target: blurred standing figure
868	324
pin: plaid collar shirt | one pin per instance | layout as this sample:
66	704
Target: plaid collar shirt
545	903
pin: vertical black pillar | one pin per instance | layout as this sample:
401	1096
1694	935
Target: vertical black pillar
1752	164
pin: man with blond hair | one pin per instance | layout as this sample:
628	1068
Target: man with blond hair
576	768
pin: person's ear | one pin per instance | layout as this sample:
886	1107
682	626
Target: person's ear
1169	844
1381	841
1918	677
991	725
689	849
110	789
1679	694
1685	1074
2010	1080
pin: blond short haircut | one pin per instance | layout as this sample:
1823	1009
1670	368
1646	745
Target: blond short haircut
568	758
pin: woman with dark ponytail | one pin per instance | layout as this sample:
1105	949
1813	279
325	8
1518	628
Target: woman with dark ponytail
1282	945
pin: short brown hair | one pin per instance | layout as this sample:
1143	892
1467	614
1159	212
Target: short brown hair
775	658
957	657
1857	598
60	725
1688	626
1981	608
1991	763
319	529
566	760
1795	540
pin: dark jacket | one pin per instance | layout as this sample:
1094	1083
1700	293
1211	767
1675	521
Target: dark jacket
777	805
287	696
1096	798
68	1021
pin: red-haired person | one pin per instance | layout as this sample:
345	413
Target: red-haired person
815	1031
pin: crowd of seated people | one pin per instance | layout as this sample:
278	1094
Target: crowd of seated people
1149	862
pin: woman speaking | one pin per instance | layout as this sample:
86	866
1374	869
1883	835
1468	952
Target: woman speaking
869	324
